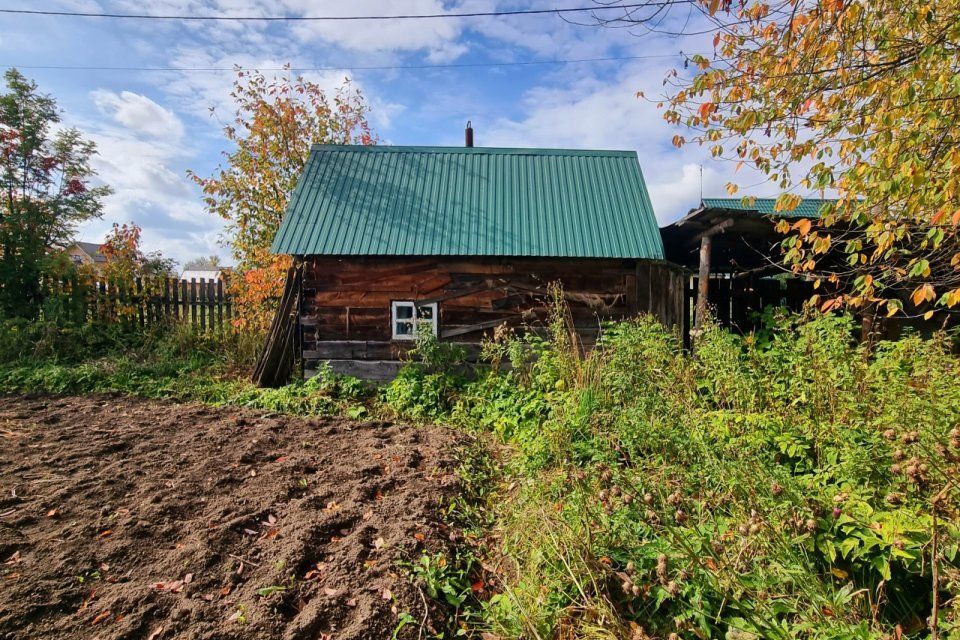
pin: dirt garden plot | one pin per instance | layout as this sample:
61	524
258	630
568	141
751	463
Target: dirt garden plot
127	518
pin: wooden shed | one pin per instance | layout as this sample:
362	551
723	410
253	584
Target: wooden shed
394	240
732	247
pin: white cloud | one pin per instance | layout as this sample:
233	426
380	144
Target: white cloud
139	114
588	113
432	36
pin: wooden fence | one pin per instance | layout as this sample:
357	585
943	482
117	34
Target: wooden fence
145	301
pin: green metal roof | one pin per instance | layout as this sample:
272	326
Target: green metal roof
381	200
808	207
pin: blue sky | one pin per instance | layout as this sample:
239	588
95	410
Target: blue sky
151	127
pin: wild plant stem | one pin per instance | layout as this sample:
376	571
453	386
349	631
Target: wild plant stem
935	570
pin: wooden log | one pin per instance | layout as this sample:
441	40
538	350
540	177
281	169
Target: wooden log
702	283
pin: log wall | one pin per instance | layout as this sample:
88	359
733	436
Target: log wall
345	311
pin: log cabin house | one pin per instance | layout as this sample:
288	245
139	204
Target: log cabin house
391	241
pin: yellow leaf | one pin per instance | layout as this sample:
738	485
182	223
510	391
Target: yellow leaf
839	573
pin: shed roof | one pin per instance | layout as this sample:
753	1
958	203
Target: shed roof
383	200
808	207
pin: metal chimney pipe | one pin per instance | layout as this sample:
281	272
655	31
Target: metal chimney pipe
469	135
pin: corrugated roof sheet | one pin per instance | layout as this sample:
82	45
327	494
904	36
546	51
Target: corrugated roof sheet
380	200
808	207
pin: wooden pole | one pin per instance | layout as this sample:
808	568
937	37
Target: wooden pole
703	282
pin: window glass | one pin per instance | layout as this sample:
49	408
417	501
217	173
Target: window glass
425	312
409	318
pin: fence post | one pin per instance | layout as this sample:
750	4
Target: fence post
220	304
166	298
183	300
203	307
193	302
175	286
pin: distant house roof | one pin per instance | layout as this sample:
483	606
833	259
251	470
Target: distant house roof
92	249
197	274
808	207
382	200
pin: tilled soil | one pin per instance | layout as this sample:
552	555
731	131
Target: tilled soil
128	518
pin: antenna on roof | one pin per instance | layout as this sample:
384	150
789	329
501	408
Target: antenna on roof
469	135
701	182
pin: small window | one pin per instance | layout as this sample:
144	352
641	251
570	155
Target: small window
409	318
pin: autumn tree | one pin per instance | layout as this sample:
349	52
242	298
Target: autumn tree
205	263
855	98
274	125
45	177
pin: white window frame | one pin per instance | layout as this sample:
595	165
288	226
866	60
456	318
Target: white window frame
417	323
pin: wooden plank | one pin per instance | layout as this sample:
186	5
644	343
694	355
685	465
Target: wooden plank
450	333
184	299
175	295
275	362
220	304
375	370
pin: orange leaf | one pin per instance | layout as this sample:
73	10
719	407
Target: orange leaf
803	226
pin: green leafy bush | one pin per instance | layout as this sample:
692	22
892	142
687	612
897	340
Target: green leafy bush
783	487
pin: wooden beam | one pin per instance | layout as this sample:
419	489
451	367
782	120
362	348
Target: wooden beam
718	228
703	282
459	331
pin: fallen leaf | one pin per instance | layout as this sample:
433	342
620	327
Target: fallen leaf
330	592
100	618
106	533
53	513
378	543
387	594
419	536
187	579
225	591
250	532
352	602
477	586
155	633
367	515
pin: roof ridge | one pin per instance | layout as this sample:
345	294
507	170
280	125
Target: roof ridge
475	150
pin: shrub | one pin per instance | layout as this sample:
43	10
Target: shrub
779	487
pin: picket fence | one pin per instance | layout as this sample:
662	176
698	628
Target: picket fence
205	304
